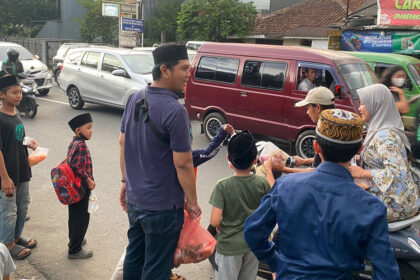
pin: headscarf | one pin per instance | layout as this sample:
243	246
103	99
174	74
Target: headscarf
384	113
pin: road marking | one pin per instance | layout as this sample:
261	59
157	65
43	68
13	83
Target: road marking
55	101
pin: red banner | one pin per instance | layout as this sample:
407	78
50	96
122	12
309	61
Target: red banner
399	12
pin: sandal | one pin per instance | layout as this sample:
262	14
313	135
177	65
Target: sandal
175	276
25	242
16	250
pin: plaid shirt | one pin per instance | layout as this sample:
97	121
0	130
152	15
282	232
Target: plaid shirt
80	160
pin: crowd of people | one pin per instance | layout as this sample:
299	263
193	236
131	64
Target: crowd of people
326	224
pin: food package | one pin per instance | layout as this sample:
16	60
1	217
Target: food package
37	156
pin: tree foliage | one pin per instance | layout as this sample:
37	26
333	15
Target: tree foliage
17	16
96	28
165	20
214	20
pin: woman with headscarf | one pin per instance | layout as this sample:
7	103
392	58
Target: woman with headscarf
395	79
385	155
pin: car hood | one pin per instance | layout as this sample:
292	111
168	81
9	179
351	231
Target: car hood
148	78
32	65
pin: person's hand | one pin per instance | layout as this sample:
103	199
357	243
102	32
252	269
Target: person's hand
91	184
7	186
123	203
356	171
274	276
228	129
299	161
397	90
193	209
33	144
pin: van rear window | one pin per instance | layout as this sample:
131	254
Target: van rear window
218	69
261	74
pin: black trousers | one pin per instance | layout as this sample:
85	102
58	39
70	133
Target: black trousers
78	221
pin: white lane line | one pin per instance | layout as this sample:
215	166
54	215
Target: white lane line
55	101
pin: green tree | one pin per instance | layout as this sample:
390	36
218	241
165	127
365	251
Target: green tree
214	20
96	28
164	22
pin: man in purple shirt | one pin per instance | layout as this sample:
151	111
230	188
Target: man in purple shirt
157	172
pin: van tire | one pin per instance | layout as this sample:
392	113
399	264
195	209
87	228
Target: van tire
75	100
212	123
304	144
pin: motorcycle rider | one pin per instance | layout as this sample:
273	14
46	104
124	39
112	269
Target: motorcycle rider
12	65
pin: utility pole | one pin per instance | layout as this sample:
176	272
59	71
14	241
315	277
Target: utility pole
140	12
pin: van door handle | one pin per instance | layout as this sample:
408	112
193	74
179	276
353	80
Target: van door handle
244	94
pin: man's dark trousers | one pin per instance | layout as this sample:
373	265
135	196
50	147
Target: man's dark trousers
152	240
78	221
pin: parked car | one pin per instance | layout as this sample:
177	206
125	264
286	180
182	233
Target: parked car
191	53
381	61
61	55
194	45
31	63
106	76
255	87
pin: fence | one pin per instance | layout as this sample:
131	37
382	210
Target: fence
46	49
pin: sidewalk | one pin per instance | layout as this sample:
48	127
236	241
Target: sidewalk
26	271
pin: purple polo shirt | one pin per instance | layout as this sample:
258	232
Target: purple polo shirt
152	182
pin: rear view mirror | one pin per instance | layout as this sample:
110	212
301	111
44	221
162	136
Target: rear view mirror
37	56
120	73
337	92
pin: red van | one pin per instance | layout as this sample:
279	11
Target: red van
255	87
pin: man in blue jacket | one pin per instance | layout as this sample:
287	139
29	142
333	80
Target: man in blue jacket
327	224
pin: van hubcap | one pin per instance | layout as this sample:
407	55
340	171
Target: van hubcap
307	146
213	126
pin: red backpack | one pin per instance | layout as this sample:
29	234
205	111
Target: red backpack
67	186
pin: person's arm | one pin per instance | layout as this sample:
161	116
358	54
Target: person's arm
402	105
378	250
303	161
122	168
268	165
7	185
184	168
258	227
78	161
216	217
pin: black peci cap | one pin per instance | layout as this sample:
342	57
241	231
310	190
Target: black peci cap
80	120
242	150
7	80
169	53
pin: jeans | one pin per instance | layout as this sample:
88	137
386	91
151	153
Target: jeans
152	240
13	212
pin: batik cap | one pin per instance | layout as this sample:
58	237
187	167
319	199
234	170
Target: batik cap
340	126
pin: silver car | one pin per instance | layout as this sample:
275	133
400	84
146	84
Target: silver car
104	75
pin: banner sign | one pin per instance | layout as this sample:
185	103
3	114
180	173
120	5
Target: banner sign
131	24
399	12
381	41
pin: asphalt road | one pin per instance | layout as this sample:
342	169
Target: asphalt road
106	235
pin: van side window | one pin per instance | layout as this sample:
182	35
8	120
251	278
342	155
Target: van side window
264	74
91	59
311	77
74	57
218	69
111	63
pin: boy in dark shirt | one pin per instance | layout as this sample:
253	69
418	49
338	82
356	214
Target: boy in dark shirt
81	164
15	172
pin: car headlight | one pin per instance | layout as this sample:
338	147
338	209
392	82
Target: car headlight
44	68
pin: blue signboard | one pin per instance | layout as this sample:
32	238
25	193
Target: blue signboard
131	24
367	41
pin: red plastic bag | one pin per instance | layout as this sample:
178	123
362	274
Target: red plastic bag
195	243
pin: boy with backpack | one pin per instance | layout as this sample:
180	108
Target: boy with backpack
234	199
15	172
81	164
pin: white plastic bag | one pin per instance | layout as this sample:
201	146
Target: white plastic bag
265	149
93	203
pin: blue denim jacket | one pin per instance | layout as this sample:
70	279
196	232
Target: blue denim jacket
327	225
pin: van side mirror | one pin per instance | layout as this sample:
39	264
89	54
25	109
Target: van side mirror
120	73
337	92
37	56
409	85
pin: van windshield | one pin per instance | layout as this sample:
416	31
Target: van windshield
356	76
415	72
139	63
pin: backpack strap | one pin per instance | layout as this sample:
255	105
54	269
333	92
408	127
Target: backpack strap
68	158
141	106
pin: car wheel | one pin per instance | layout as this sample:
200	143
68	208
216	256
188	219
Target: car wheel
44	92
212	123
75	100
304	144
57	76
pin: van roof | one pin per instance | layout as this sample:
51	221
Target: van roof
392	58
280	52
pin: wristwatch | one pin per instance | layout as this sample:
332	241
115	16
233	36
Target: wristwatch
123	180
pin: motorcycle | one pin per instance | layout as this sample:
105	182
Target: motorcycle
28	104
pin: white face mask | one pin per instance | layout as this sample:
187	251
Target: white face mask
398	82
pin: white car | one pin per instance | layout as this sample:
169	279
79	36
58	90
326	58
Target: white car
31	63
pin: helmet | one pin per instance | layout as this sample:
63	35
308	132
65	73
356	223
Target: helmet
12	54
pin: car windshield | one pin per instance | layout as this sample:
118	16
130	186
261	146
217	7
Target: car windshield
24	54
62	51
139	63
415	72
356	76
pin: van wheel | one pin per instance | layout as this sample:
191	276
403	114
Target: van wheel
304	144
212	123
75	100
